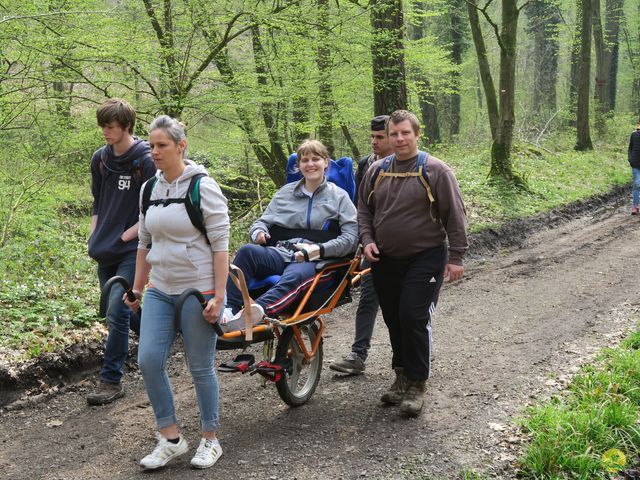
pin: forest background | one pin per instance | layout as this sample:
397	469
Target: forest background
532	104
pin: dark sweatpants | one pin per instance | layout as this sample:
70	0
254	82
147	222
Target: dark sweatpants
258	262
408	290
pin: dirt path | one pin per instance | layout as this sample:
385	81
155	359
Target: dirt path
513	330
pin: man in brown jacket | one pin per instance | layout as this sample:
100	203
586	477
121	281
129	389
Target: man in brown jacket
412	224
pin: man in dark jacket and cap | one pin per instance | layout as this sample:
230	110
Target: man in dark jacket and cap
354	362
634	161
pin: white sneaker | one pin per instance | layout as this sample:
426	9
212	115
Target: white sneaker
227	316
230	322
257	313
164	452
208	453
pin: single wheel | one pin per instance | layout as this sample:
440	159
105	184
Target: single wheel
297	386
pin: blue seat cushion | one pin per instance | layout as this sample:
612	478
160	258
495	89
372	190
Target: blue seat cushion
267	282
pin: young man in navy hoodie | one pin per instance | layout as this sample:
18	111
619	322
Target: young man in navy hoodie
118	170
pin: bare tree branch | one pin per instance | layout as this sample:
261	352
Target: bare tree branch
8	18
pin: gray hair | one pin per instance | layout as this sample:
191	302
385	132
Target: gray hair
173	127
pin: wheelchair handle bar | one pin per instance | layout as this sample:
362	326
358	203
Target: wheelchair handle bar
177	315
106	291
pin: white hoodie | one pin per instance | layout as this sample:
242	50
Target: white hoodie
179	255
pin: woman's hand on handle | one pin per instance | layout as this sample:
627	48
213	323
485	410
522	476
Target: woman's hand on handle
211	312
135	303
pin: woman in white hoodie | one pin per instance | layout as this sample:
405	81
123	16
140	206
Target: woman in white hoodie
174	255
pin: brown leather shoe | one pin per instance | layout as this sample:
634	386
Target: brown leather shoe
105	393
396	392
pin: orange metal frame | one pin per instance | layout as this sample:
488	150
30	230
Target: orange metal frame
353	276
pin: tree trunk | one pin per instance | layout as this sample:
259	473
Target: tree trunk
602	68
426	98
615	12
606	47
575	61
544	22
485	69
634	55
456	22
300	120
502	117
429	113
501	149
355	152
583	141
387	50
325	93
270	111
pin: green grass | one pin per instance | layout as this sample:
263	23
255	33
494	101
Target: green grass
49	285
554	179
571	434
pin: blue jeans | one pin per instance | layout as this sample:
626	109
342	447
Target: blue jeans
158	332
119	317
635	172
366	315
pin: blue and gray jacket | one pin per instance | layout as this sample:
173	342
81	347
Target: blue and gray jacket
329	208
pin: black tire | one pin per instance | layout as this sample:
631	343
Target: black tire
298	385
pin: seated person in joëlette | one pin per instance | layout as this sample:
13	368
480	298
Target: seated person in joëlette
308	220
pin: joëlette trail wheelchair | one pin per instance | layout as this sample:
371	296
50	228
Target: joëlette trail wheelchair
292	343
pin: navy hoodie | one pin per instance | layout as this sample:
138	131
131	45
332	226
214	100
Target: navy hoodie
115	185
634	149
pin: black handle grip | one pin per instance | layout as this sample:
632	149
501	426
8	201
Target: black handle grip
106	291
177	315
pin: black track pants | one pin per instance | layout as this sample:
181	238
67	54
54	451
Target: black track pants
408	290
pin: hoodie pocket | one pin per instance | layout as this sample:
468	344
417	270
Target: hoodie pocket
105	243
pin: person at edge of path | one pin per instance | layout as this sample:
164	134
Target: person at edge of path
296	218
354	362
118	170
174	255
634	161
408	269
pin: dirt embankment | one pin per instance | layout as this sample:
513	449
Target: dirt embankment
534	304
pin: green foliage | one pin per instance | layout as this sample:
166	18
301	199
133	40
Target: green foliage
573	436
554	179
48	286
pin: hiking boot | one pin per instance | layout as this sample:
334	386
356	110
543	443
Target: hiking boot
164	452
351	364
208	453
105	392
634	210
413	399
396	391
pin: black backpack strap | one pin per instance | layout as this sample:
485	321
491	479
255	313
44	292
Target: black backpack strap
192	204
146	195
